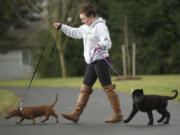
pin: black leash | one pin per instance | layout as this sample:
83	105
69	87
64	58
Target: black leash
54	45
45	45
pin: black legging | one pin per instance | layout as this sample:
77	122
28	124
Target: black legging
98	69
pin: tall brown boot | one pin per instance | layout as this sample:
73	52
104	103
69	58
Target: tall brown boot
114	100
82	100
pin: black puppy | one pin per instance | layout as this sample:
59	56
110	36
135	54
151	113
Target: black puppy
147	103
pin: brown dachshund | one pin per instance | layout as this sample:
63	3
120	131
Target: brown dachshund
33	112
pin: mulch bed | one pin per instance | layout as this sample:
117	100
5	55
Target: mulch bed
127	78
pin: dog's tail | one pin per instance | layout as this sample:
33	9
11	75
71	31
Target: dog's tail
173	97
57	95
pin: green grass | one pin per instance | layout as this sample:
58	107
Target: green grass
156	84
8	100
152	84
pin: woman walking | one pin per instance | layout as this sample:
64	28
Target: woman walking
95	35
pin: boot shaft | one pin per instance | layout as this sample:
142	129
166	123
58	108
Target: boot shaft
83	97
82	100
113	98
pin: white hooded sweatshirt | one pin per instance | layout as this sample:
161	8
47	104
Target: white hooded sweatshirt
96	33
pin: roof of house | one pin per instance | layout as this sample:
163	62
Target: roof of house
21	38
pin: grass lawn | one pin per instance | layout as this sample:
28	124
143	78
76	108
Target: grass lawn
151	84
8	100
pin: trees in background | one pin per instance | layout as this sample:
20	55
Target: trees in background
49	11
16	15
156	25
66	12
153	25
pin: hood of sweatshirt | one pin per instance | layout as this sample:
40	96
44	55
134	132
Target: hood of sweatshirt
98	20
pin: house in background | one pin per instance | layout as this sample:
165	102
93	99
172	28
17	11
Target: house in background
16	61
15	64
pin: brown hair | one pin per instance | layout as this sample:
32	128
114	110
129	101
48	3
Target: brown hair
88	10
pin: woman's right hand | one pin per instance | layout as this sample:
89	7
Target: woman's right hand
56	25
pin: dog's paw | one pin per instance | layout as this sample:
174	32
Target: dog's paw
166	122
150	123
126	121
17	123
159	121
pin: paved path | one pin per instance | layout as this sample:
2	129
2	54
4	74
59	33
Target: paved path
91	121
